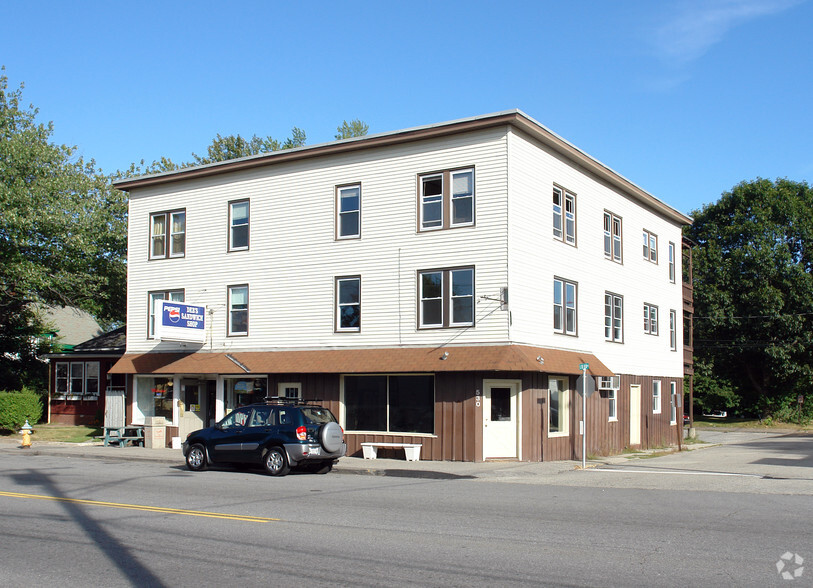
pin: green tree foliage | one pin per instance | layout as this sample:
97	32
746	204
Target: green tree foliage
235	146
18	407
355	128
753	286
63	232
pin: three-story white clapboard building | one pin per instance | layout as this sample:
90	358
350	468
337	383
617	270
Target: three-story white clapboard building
439	285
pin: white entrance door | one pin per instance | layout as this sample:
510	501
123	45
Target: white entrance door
500	419
193	405
635	414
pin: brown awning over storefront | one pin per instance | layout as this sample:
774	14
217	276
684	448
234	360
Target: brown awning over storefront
499	358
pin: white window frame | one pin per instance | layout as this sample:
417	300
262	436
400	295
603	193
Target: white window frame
613	317
672	275
564	406
656	397
613	241
152	298
234	225
64	379
92	366
341	212
650	246
447	199
673	400
283	389
232	311
447	298
564	308
564	211
650	319
673	330
169	236
341	305
612	405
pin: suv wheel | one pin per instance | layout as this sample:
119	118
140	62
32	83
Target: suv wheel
275	462
330	436
196	458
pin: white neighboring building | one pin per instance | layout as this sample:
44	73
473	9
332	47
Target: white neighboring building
438	285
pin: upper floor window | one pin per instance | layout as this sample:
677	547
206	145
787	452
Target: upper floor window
613	317
447	199
564	216
650	246
650	319
446	298
167	234
564	307
673	330
348	211
153	297
612	236
238	225
238	310
348	304
656	396
671	262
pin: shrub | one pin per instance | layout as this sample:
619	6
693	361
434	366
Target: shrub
17	407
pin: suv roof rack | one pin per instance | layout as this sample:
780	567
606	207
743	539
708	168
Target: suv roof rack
284	400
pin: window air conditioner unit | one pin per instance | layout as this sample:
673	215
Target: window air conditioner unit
611	383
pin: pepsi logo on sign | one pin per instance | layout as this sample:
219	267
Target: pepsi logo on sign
174	314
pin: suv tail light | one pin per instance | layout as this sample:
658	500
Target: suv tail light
302	433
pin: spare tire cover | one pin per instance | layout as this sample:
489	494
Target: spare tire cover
331	437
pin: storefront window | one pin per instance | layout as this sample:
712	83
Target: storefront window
155	397
240	392
393	404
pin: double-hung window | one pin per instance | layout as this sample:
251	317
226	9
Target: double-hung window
564	306
612	236
613	317
612	405
650	246
650	319
671	262
238	310
77	378
656	396
348	209
348	304
564	216
446	200
446	298
152	298
238	225
168	234
673	330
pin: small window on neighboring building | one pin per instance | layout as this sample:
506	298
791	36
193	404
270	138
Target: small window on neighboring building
650	246
446	298
348	304
656	396
650	319
446	200
564	306
613	317
238	225
152	298
168	234
612	236
238	310
348	208
564	216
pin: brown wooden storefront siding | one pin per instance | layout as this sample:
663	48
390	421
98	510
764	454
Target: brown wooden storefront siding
656	429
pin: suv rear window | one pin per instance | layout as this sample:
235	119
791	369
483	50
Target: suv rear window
317	416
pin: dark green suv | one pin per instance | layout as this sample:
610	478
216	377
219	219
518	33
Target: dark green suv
278	435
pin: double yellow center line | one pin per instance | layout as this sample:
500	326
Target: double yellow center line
143	508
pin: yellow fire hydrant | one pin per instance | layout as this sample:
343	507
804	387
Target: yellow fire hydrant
26	433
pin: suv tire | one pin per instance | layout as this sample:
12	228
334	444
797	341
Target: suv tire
331	436
196	458
275	462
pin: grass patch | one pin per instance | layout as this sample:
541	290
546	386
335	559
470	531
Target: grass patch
62	433
751	424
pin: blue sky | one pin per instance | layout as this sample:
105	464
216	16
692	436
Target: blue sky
686	98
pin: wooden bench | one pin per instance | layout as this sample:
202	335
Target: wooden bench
412	450
124	435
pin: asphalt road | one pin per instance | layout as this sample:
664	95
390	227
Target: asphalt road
721	516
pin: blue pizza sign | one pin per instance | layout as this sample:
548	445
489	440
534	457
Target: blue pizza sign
176	321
